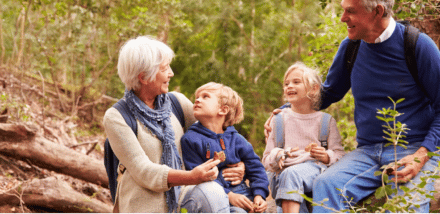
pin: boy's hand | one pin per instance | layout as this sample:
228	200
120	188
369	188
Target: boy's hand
241	201
319	153
260	204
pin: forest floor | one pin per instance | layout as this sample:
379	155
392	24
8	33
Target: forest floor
21	102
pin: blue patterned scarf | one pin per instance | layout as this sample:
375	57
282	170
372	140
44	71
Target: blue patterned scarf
158	121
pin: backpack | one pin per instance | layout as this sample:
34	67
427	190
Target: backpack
410	38
111	162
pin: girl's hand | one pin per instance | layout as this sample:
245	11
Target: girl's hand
234	173
241	201
319	153
280	159
260	204
207	171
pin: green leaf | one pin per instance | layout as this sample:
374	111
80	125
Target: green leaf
404	188
400	100
416	159
431	154
183	210
385	177
422	184
388	144
377	173
380	192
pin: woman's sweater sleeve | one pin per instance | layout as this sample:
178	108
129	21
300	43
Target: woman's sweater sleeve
127	148
335	150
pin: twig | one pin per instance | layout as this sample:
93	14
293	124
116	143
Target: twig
92	148
82	144
42	111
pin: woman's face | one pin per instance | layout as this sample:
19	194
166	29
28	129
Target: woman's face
163	76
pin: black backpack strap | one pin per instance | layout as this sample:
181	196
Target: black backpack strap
351	54
411	35
177	110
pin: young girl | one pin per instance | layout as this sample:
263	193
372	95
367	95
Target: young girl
302	158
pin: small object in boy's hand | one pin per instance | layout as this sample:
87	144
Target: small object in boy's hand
220	156
310	147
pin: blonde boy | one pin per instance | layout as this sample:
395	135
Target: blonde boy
217	108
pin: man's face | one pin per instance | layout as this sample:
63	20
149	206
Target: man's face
360	22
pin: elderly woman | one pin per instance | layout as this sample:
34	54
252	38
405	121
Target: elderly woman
154	176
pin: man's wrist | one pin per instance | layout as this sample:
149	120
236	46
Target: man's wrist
422	153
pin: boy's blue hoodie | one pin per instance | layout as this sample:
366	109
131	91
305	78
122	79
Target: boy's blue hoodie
198	140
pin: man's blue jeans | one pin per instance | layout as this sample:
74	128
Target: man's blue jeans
354	176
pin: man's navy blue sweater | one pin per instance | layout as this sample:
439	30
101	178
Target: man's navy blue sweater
380	71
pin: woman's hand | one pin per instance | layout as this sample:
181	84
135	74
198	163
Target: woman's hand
207	171
260	204
234	173
319	153
241	201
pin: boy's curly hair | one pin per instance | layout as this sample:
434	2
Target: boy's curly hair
227	96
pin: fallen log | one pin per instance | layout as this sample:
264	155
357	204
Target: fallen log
54	195
20	142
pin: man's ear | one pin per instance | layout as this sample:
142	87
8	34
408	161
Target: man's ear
380	10
224	110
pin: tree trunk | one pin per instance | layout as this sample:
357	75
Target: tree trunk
53	194
19	142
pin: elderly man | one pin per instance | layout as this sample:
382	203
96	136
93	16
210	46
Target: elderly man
378	72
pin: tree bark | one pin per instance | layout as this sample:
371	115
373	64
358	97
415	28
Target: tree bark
53	194
19	142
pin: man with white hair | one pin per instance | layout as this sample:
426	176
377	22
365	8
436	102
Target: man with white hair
380	72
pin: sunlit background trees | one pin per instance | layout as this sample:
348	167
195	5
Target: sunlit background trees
246	45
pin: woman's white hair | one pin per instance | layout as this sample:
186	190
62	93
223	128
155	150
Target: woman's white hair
387	4
142	54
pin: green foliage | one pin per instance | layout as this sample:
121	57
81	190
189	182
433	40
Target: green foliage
17	111
416	9
247	45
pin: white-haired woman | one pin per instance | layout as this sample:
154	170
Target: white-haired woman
154	176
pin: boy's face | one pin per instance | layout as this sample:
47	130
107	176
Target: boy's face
206	104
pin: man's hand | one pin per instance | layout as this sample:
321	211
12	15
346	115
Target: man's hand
260	204
267	128
412	167
234	173
241	201
319	153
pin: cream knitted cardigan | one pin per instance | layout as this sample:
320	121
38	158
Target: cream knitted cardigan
143	185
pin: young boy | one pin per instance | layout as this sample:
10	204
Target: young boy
217	108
